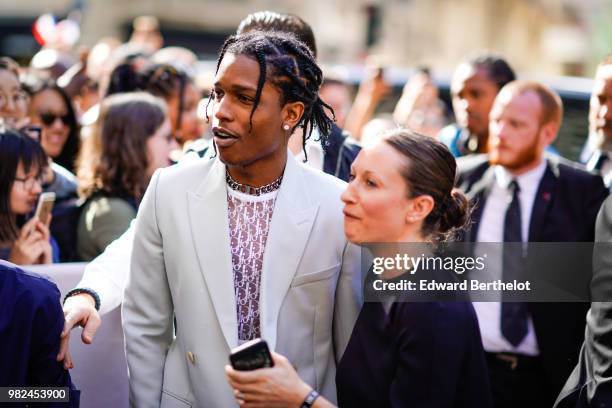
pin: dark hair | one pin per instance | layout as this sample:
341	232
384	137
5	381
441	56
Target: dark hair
430	170
287	64
15	148
124	73
166	80
114	158
33	86
8	64
498	69
286	23
162	80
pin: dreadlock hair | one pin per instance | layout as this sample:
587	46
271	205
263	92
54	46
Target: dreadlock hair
290	66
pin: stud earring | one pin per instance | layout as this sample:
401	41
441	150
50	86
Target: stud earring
286	126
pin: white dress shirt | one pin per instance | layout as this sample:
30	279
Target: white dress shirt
491	229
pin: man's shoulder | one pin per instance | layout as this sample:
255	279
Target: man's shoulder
573	171
26	286
186	173
472	166
325	183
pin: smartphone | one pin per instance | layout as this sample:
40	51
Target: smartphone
44	207
251	355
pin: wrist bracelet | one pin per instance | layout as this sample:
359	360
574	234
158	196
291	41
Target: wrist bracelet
310	399
90	292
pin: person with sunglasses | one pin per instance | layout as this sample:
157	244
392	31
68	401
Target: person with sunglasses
23	241
52	119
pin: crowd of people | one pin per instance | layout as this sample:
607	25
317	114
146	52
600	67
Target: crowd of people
215	226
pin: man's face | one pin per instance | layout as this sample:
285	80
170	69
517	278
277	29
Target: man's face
515	136
234	95
600	112
473	93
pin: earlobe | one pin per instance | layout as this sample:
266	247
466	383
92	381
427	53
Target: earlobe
293	113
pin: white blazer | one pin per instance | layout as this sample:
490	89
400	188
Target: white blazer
182	269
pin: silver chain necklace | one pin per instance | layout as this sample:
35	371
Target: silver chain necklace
250	190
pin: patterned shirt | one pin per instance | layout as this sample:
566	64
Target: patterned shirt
249	222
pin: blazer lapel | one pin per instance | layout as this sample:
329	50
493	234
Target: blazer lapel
207	206
293	218
478	195
543	199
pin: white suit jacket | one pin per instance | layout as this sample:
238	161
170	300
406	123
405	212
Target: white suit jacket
181	269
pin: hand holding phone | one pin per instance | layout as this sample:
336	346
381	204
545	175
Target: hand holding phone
44	207
251	355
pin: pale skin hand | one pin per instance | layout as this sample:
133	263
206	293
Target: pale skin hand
371	91
32	246
275	387
79	310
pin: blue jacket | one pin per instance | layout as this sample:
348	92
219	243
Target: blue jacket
31	320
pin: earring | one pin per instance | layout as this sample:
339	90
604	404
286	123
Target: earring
286	126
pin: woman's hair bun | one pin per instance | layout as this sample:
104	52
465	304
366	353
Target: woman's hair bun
455	212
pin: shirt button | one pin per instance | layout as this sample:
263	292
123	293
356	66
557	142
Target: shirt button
191	357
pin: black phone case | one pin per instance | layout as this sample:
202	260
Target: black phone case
251	356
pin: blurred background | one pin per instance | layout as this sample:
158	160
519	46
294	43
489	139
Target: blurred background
556	41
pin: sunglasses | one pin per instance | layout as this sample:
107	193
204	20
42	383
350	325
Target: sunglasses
49	118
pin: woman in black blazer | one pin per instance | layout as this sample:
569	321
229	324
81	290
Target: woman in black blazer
401	353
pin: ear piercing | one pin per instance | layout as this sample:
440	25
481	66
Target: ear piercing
286	126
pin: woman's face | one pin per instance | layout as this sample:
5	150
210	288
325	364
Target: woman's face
234	95
25	190
49	111
13	102
159	147
191	126
376	203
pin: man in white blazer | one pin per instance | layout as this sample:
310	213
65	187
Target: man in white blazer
180	314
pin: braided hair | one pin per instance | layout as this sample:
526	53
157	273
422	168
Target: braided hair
289	65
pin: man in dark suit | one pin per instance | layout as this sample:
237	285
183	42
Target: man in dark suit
600	122
31	320
522	195
590	384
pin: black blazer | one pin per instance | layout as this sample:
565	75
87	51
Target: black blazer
566	205
419	355
340	152
590	384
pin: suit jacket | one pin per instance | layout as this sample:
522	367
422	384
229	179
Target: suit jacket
182	270
340	153
406	358
590	384
565	209
31	320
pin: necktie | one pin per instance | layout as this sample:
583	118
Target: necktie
513	314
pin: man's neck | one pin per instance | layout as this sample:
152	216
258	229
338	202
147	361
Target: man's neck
296	141
261	172
526	168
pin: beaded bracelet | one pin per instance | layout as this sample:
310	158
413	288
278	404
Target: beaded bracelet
310	399
89	291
